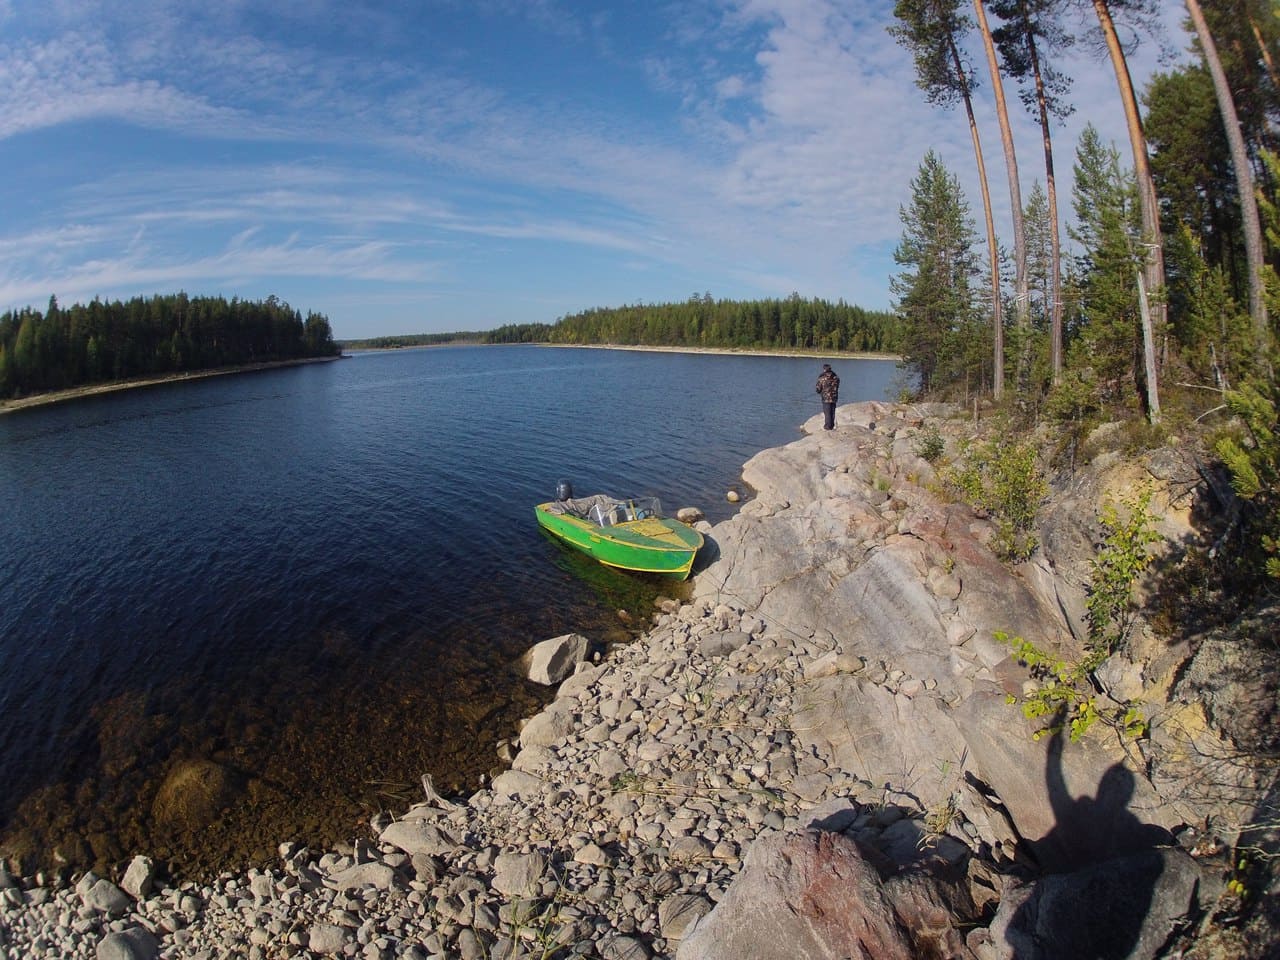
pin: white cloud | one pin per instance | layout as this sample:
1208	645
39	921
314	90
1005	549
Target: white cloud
74	78
776	151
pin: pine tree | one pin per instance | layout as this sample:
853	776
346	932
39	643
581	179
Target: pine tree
1103	351
935	297
933	31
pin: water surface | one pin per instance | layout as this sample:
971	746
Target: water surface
300	588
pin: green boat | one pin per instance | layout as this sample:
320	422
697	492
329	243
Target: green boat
626	534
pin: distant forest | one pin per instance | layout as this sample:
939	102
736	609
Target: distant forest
84	344
791	324
701	321
98	342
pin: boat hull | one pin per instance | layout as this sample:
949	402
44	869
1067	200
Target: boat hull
660	546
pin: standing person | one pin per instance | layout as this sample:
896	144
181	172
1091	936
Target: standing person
829	388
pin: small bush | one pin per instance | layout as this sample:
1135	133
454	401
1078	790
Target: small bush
1115	568
929	444
1003	480
1065	696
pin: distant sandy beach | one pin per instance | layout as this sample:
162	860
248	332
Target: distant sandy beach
733	351
89	390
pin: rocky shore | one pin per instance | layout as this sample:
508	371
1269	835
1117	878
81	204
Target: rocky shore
812	757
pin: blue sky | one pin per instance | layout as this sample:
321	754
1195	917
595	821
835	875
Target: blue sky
451	165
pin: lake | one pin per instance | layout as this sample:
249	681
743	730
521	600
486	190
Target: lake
257	608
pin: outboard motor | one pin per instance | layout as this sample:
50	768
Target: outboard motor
564	490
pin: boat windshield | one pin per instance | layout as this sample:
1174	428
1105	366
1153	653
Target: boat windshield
623	511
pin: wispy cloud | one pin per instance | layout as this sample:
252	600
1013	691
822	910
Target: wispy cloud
73	78
763	144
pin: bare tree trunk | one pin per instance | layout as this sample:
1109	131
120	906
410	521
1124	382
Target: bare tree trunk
1244	186
1153	252
1021	297
1055	241
997	320
1266	54
1148	354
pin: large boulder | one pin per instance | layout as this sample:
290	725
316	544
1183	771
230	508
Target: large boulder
1124	908
902	578
812	896
552	660
910	743
195	793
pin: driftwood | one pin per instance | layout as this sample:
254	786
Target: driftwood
433	798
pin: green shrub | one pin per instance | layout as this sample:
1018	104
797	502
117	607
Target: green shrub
1003	480
1066	692
1254	462
1065	695
1118	563
929	444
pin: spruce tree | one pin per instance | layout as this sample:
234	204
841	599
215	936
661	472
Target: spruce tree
935	293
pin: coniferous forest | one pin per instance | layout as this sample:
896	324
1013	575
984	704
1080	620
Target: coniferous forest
150	336
793	323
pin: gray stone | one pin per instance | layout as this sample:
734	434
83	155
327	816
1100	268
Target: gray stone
105	897
138	878
677	915
418	836
517	783
326	938
722	644
550	726
519	874
624	948
472	945
592	855
378	876
135	943
689	850
552	660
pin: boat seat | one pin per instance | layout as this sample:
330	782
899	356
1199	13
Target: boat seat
600	509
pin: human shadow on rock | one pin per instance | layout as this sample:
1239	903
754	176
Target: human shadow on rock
1102	869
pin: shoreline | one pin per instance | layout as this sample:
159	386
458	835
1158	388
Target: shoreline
671	794
114	386
731	351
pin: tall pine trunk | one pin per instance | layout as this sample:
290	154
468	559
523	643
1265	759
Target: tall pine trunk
1244	187
997	318
1153	314
1022	304
1055	239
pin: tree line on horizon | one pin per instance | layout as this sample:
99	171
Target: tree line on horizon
793	323
85	344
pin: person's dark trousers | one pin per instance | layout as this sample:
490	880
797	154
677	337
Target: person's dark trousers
829	410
